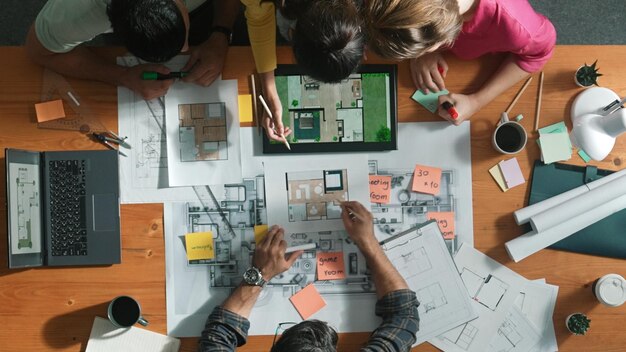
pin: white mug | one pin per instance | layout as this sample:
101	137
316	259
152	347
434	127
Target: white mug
509	137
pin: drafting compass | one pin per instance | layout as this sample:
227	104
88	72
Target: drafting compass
109	138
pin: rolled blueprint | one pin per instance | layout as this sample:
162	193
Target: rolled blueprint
523	215
579	205
532	242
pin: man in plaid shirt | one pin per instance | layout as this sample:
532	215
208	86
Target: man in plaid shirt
227	326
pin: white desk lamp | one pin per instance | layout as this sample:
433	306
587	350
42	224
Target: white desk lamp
593	131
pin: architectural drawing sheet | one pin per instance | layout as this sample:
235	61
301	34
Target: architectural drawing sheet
202	127
417	143
307	191
537	302
422	258
493	289
516	334
26	233
144	173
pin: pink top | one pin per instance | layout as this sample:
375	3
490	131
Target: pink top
507	26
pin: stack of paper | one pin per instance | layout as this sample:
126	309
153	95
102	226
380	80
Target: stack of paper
555	143
515	314
106	337
507	174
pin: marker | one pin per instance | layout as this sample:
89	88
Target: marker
303	247
269	113
450	109
156	76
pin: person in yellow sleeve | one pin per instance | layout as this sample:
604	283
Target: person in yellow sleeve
327	42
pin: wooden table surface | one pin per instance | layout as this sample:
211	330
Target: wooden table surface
45	309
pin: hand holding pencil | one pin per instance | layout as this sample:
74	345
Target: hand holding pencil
358	222
274	127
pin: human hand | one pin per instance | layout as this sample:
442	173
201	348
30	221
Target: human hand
131	79
273	124
465	105
358	222
206	60
269	256
428	72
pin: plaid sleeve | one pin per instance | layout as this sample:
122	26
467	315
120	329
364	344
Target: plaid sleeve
400	323
223	332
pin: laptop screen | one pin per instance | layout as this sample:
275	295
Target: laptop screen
24	198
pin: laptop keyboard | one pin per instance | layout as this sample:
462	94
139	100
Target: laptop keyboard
67	208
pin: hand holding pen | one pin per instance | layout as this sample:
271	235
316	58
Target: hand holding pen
270	128
358	222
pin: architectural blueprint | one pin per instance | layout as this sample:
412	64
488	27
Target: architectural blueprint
26	230
422	258
144	173
202	128
306	195
516	334
407	209
493	289
537	302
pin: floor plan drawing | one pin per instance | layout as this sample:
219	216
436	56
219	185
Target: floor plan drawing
316	195
516	334
462	336
25	203
487	291
431	297
408	209
412	263
202	129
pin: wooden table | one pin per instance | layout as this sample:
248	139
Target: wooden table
53	309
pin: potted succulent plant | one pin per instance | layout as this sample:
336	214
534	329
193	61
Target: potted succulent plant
577	323
587	75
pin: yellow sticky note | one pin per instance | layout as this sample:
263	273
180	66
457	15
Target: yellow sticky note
498	177
426	179
245	108
259	233
199	245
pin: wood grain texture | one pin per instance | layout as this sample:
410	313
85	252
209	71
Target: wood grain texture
53	308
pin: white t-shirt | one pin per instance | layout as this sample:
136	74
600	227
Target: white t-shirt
62	25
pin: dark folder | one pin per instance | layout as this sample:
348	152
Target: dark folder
606	237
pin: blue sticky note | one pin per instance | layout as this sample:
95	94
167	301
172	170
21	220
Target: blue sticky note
555	147
430	101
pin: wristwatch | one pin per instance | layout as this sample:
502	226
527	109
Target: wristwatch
253	277
226	31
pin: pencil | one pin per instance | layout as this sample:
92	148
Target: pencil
257	118
538	110
519	94
269	113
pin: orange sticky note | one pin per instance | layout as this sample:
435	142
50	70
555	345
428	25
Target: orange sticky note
426	179
445	220
259	233
50	110
380	189
330	266
307	301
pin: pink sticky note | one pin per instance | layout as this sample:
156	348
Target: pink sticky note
445	220
50	110
380	189
330	266
307	301
426	179
512	173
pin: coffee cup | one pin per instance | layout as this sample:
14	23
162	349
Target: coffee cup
509	137
125	311
610	290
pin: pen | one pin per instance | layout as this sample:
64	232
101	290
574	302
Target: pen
269	113
302	247
450	109
156	76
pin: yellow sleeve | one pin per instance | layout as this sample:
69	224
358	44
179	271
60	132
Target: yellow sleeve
261	19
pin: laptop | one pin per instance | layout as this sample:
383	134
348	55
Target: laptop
63	208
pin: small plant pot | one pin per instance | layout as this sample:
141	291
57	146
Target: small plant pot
567	325
576	79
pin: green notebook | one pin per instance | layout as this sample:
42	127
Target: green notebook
606	237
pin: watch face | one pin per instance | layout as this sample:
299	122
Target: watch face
251	276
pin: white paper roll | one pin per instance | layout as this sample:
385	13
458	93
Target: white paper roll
523	215
575	207
532	242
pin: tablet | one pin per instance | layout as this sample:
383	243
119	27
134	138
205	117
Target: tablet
357	114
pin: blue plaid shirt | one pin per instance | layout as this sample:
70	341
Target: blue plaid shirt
225	330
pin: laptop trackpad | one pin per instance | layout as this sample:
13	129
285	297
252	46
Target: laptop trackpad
105	212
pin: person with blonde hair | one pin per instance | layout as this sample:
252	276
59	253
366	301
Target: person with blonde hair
420	30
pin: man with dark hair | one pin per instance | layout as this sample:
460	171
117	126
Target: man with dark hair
227	326
153	30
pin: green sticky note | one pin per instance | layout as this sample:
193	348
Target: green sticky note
555	147
430	101
558	127
584	155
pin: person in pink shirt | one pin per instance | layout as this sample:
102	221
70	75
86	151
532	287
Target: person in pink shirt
420	29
